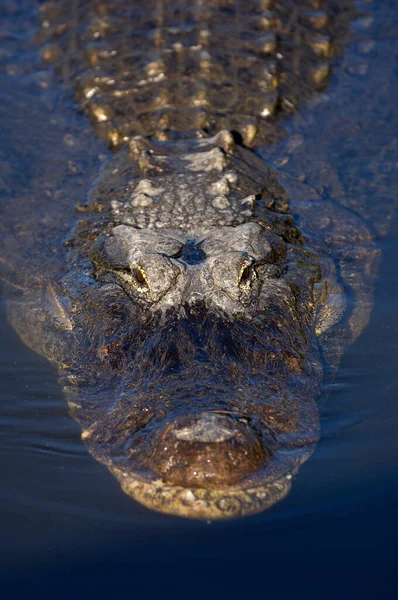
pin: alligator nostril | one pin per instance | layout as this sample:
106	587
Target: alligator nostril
192	253
209	427
206	449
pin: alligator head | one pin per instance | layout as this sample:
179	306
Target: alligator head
191	315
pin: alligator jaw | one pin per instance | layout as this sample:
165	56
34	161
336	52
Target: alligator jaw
204	504
256	493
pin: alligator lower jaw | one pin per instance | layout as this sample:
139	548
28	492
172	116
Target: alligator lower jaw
206	504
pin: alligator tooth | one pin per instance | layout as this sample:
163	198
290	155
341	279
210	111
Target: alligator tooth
189	497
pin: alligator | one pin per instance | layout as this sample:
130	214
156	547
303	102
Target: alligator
199	307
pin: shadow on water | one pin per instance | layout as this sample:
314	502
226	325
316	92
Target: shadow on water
66	527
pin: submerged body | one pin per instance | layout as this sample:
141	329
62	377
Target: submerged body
192	320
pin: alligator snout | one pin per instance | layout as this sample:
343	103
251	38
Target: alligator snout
205	450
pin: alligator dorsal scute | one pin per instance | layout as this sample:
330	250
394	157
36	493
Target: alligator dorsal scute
160	68
186	182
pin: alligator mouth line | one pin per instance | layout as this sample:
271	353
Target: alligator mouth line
206	504
198	498
211	463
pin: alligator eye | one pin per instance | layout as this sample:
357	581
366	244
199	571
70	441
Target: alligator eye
246	276
140	279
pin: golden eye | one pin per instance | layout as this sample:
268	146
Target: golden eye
246	276
140	279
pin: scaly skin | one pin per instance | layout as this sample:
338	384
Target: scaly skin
193	322
165	69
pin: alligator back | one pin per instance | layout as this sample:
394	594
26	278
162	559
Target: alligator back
159	67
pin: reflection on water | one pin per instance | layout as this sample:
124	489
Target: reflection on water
61	510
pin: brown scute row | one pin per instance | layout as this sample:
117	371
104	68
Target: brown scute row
178	68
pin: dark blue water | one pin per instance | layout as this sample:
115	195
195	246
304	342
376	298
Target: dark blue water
66	528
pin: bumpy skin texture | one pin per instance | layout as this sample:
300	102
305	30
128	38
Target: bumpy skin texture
165	68
193	321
